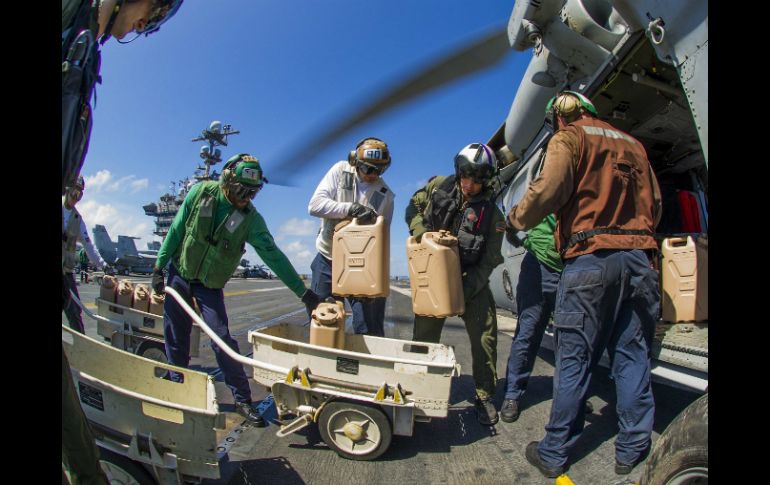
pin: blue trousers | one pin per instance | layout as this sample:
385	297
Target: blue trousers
535	297
368	313
71	309
606	299
177	326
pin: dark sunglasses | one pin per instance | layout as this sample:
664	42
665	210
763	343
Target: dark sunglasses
243	192
369	169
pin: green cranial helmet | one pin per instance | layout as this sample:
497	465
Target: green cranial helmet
242	176
569	105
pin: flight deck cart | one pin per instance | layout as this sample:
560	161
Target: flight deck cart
359	396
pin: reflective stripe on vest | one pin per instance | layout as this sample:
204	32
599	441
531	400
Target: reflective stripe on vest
208	254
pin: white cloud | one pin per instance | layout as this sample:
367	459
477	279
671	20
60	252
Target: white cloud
95	213
97	181
300	255
138	185
119	184
299	227
103	180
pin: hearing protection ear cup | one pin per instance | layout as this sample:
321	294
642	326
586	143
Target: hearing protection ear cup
352	157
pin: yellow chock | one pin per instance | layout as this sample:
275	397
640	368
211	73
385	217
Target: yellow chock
563	479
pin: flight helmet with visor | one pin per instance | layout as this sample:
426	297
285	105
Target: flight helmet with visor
476	161
242	176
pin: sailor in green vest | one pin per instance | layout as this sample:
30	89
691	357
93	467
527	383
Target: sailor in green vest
204	246
464	204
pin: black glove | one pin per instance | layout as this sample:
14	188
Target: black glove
108	270
311	301
158	284
511	235
365	215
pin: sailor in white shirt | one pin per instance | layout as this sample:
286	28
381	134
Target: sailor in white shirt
352	188
74	231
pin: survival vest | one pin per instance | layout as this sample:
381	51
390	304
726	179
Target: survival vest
80	72
469	221
210	254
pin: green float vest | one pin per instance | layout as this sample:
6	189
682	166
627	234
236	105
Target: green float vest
208	254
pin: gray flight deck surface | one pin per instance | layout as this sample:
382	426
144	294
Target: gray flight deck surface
455	450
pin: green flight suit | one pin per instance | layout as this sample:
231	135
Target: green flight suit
480	315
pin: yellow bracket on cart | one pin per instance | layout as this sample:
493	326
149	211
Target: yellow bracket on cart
292	376
384	391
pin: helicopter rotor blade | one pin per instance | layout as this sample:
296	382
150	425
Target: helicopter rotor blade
481	54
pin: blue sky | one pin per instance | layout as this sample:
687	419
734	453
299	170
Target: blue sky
278	71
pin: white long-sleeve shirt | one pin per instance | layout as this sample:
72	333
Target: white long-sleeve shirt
327	202
84	238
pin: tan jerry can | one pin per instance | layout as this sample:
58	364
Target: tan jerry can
141	298
434	275
156	303
109	289
361	259
125	293
327	326
684	279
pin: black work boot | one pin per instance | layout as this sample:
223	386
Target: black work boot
486	411
625	468
251	414
533	457
510	410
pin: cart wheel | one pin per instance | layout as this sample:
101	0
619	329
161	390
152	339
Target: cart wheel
123	471
355	431
155	353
